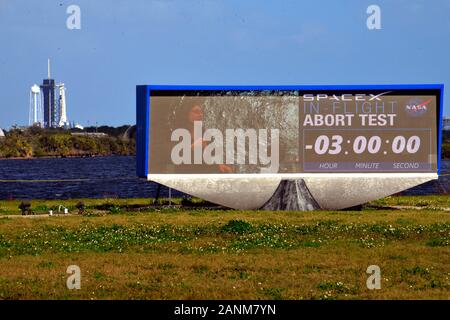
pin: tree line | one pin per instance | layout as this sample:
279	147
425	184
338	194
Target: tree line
38	142
445	145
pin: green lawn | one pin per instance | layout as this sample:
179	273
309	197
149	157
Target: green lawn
173	253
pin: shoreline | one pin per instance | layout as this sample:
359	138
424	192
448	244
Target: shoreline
139	205
69	156
91	156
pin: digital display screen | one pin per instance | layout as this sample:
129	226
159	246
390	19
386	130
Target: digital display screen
293	131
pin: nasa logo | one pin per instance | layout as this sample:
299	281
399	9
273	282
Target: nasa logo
417	107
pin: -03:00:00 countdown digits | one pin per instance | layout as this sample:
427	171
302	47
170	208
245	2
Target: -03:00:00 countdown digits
361	144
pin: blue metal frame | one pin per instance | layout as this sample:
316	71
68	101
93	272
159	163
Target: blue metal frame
298	87
143	108
441	119
142	129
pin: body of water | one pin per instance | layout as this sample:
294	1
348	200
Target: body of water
110	177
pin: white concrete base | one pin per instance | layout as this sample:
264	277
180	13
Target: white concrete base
236	193
341	193
331	191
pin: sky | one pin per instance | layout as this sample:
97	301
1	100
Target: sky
232	42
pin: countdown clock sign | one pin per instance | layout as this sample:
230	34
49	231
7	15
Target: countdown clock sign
287	132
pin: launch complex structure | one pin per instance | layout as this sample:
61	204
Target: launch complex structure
48	104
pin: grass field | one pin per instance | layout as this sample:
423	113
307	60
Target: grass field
127	250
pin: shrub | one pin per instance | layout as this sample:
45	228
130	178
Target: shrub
237	226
